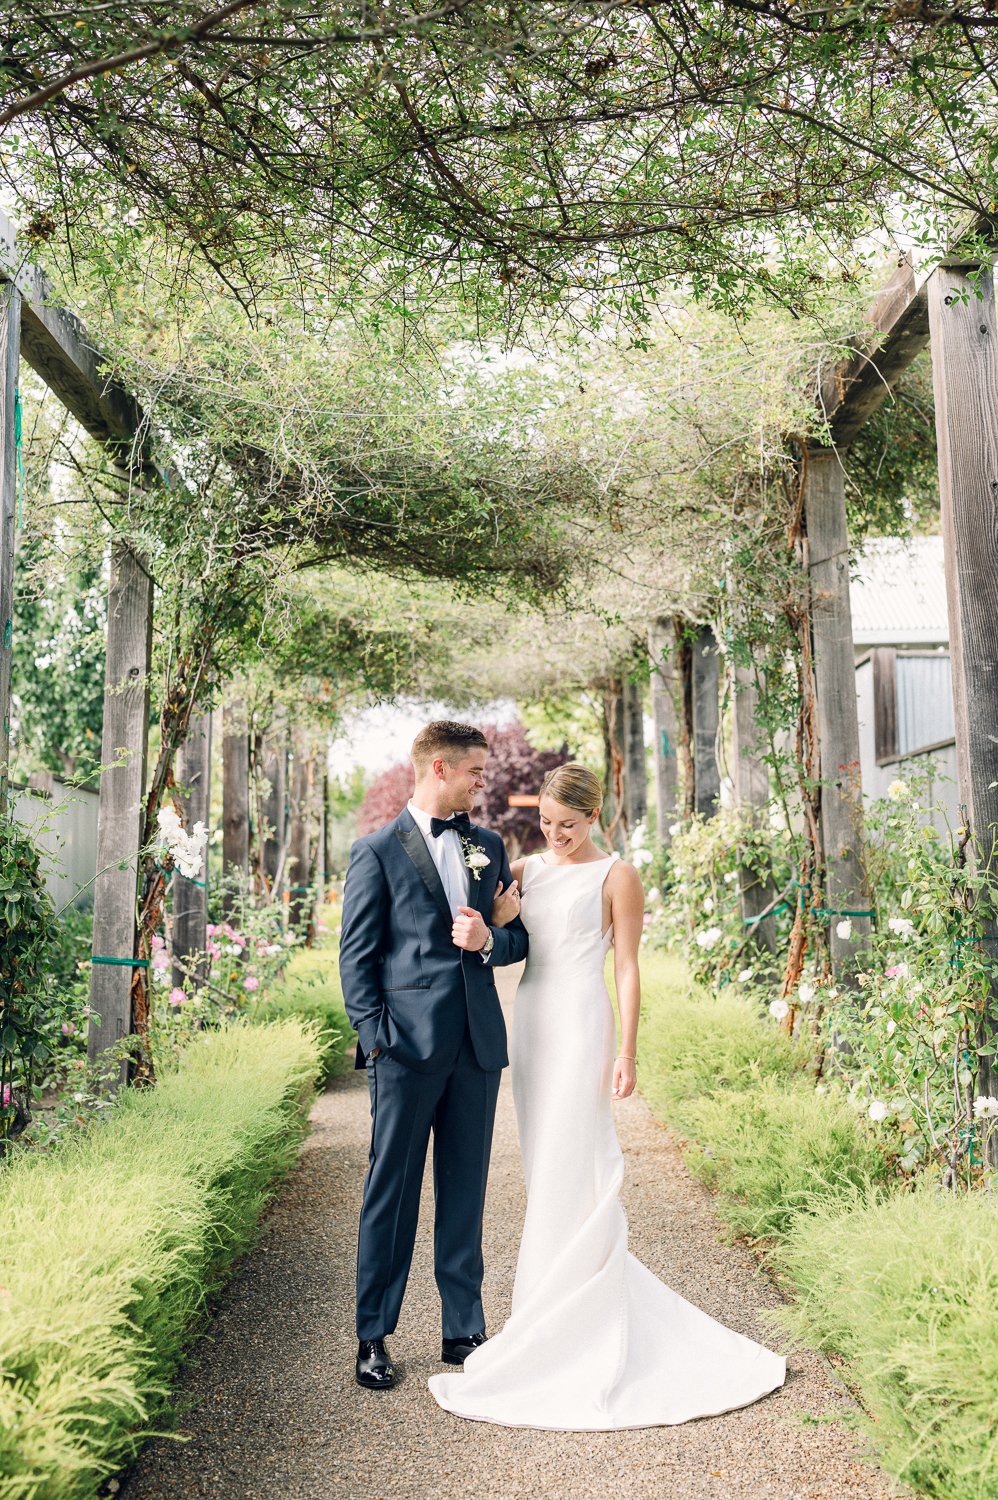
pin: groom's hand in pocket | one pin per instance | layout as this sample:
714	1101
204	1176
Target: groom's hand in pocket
469	930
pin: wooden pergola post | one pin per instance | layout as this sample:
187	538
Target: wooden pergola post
122	788
235	794
635	768
846	893
190	897
302	894
661	648
273	806
752	794
706	719
964	333
10	345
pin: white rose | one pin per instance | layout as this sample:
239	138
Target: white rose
779	1009
843	929
899	791
708	904
878	1110
729	877
903	927
745	976
709	938
805	993
985	1107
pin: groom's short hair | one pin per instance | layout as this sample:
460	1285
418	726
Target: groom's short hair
448	739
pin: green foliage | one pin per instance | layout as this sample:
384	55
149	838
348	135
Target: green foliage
774	1152
27	927
763	1136
311	991
912	1033
907	1289
60	625
696	908
113	1243
695	1043
558	156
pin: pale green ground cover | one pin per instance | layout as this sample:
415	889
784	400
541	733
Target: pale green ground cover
903	1283
113	1242
310	989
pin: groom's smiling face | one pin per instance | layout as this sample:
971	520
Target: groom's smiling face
464	779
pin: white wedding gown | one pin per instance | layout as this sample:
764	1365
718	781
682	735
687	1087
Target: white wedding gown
595	1341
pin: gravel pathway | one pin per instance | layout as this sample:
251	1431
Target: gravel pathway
270	1408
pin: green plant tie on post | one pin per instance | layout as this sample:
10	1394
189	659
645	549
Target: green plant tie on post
18	445
120	963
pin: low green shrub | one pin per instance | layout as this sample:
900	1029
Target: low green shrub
907	1290
694	1043
717	1070
777	1150
310	989
113	1242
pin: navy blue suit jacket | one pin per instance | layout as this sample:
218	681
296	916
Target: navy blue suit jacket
408	990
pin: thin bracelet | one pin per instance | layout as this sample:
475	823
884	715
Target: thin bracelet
626	1057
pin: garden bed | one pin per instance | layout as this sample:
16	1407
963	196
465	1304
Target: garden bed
113	1243
902	1282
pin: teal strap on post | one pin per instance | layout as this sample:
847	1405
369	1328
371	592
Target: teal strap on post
300	890
190	879
121	963
839	911
18	434
751	921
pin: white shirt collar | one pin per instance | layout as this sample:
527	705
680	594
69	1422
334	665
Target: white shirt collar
422	819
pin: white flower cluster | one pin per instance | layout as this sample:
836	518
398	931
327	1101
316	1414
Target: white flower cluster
640	855
902	927
709	938
185	849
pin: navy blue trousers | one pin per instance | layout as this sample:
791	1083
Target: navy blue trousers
459	1107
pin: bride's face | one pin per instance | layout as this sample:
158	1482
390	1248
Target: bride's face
565	828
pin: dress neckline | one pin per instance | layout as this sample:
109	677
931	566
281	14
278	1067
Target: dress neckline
577	864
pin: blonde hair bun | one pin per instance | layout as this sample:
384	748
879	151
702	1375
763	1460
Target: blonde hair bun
574	786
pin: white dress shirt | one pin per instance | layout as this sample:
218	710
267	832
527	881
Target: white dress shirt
448	856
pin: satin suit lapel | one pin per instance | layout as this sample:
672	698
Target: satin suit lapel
414	844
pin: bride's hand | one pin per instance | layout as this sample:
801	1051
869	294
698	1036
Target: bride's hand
624	1077
506	905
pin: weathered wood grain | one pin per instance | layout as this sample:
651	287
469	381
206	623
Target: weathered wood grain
706	709
636	773
838	718
192	772
752	794
661	649
965	380
119	825
10	313
235	792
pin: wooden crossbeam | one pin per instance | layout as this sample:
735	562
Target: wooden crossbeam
55	344
857	386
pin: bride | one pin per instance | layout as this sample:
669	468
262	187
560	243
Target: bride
595	1341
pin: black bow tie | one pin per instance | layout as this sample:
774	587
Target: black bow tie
460	822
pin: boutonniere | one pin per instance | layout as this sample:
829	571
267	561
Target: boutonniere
475	857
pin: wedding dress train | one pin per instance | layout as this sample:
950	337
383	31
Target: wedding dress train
595	1341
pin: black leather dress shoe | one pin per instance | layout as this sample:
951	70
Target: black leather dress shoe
374	1367
456	1351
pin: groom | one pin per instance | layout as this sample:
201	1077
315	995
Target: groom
416	962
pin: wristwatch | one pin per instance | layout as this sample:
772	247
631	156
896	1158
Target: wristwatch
488	945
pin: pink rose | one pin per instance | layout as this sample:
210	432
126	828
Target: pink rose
251	982
68	1029
176	996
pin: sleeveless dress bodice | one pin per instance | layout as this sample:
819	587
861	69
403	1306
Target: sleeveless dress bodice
595	1341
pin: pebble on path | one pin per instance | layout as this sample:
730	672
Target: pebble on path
270	1410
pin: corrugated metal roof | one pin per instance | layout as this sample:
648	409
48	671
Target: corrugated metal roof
898	593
